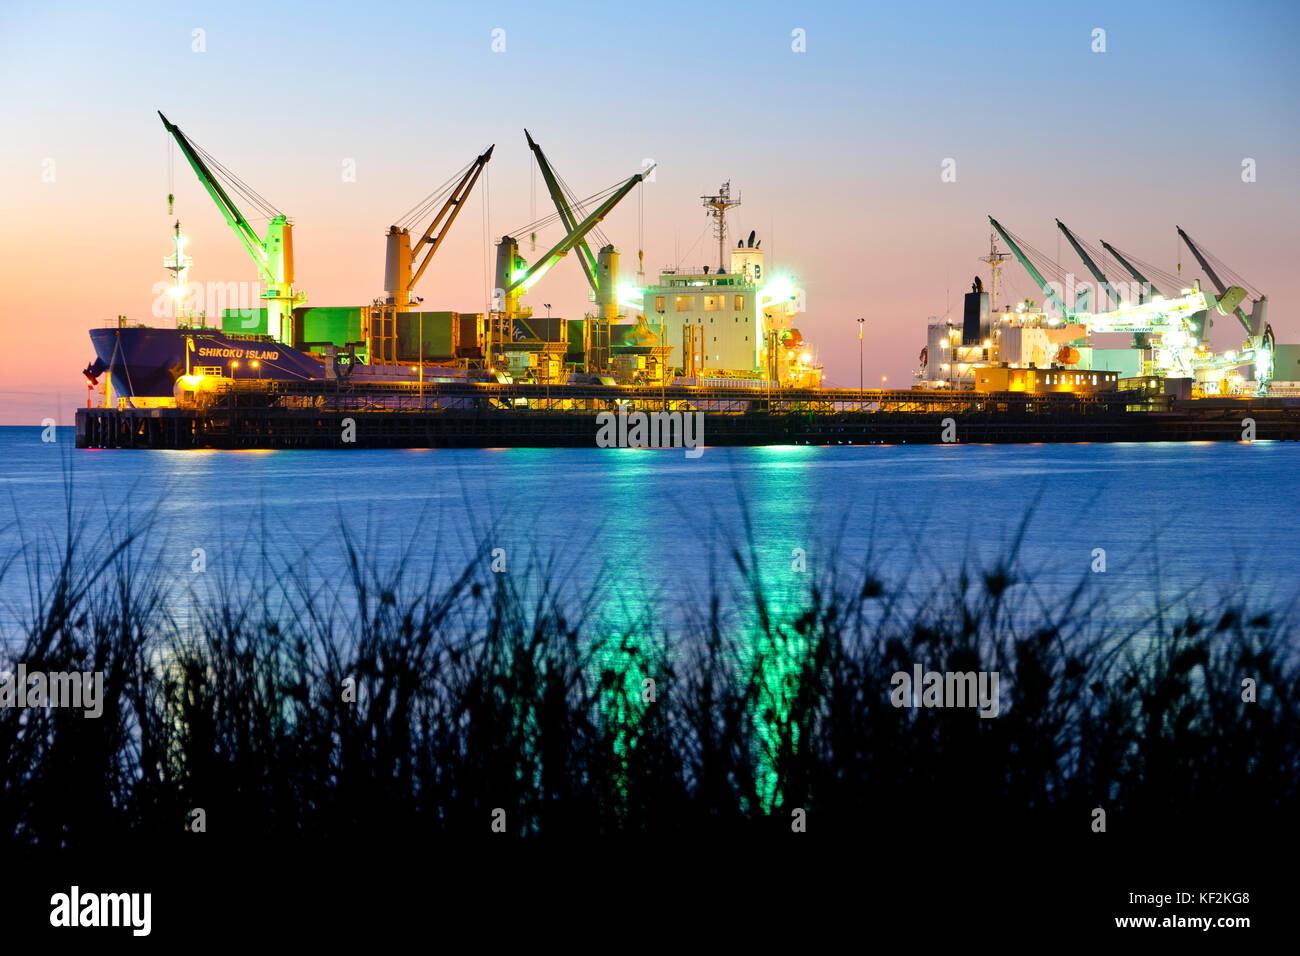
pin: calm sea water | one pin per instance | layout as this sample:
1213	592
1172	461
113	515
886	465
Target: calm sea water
1209	519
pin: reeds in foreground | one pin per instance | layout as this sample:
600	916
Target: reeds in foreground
387	708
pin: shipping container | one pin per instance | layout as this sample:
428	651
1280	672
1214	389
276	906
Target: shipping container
244	321
440	331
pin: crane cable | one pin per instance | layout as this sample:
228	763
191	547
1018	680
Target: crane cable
1234	278
580	206
425	206
595	198
171	173
1153	272
229	179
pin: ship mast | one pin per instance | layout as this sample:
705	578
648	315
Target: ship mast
178	264
717	205
995	260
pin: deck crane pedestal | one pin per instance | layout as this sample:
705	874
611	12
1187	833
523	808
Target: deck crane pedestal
272	255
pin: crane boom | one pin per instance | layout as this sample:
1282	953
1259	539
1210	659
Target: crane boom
567	219
1214	277
234	218
574	236
1034	274
1092	266
1146	283
451	209
273	255
399	257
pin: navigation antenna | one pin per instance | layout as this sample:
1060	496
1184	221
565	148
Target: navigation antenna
717	206
995	260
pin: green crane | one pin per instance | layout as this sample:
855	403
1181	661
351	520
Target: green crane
1132	270
515	278
1140	340
567	218
1218	284
1092	266
272	255
1034	274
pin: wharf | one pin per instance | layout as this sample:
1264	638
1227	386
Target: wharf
270	415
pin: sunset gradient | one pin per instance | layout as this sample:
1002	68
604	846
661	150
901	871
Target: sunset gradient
836	151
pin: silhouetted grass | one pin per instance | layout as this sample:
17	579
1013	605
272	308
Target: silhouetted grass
490	691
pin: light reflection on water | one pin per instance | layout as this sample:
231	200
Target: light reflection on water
654	526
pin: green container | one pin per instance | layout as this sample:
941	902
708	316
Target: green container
441	331
333	325
244	322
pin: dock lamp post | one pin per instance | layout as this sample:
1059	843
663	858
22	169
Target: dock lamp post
663	362
548	353
861	323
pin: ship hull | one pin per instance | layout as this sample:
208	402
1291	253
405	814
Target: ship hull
145	363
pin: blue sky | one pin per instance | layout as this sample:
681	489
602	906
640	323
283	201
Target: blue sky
836	151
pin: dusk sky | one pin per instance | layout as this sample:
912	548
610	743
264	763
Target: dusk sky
836	152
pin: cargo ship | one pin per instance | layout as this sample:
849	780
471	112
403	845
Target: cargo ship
734	322
1049	347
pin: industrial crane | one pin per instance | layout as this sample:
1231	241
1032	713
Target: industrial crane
1179	322
600	269
590	266
514	277
1256	324
1091	266
1051	293
1260	344
400	256
272	255
1140	340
